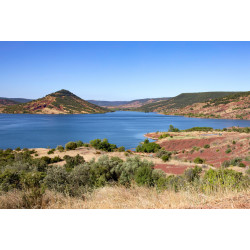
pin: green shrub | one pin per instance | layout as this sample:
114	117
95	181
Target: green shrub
18	149
148	147
79	144
103	145
51	151
224	178
207	146
121	149
162	152
71	162
57	179
165	158
228	151
242	165
10	179
204	129
143	176
71	146
60	148
173	129
164	135
192	173
198	160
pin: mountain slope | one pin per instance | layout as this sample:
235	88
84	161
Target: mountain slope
183	100
236	106
60	102
128	104
6	102
17	100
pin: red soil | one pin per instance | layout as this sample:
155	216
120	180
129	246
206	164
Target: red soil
180	144
172	169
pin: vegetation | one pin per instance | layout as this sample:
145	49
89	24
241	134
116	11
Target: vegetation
164	155
173	129
103	145
198	160
60	148
203	129
164	135
229	98
148	147
71	146
51	151
62	101
183	100
21	172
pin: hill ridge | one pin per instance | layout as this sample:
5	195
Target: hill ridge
59	102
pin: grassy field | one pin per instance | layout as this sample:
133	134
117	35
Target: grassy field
120	197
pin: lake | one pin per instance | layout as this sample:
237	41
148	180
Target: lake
123	128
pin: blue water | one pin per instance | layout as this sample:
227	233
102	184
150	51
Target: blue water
123	128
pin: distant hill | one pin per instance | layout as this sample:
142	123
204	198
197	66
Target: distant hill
127	104
183	100
6	102
60	102
232	106
18	100
108	103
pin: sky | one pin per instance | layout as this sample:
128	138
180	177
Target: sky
123	71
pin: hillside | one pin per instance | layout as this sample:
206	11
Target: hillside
236	106
127	104
17	100
6	102
60	102
183	100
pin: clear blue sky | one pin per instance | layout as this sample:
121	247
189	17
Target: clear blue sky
122	70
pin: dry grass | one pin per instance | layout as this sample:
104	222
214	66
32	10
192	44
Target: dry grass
131	198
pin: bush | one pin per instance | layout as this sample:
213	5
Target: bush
192	174
228	151
79	144
165	158
173	129
57	179
60	148
18	149
207	146
224	178
121	149
148	147
71	146
162	152
51	151
103	145
164	135
242	165
198	160
204	129
71	162
143	176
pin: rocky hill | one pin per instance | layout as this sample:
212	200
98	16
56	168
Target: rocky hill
6	102
17	100
60	102
127	104
236	106
183	100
